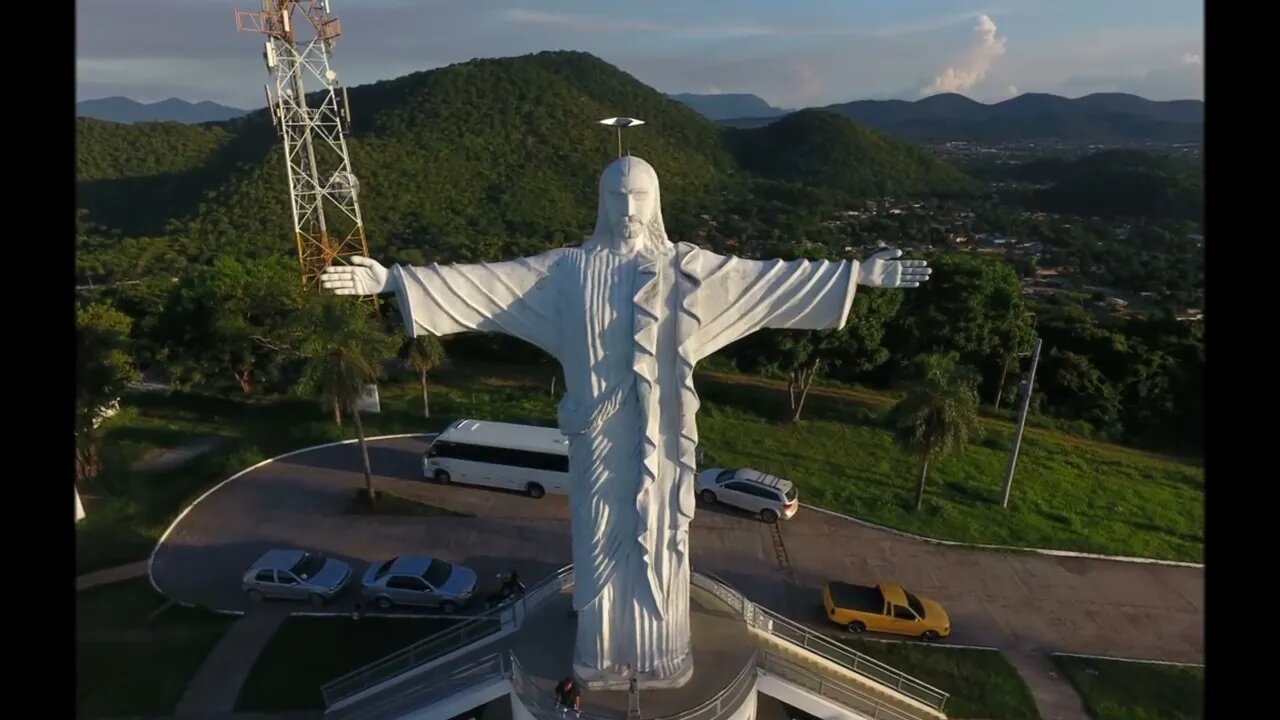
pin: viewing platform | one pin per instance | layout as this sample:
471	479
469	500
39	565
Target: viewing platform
523	650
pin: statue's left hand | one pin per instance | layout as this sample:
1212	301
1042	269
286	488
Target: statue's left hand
884	270
364	276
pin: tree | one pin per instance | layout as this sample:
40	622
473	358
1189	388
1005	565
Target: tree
973	307
424	353
104	369
233	319
799	355
939	413
343	349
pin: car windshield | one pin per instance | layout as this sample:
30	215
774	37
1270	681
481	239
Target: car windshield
724	476
437	573
382	569
915	604
308	565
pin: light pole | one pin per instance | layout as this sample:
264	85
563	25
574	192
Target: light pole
1005	371
1022	424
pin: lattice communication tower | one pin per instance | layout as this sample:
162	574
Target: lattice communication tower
323	191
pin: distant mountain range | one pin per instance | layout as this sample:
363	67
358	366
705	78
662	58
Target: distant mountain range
729	106
1097	118
125	110
445	184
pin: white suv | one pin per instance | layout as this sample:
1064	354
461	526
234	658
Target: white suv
768	496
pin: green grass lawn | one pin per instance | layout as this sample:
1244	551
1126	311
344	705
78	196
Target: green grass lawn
981	683
132	661
307	652
1119	690
1070	492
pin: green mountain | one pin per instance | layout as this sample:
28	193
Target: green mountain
1117	183
479	159
824	150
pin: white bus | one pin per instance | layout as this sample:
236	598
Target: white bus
527	458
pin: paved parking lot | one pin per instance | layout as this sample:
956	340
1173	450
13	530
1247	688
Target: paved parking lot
1013	601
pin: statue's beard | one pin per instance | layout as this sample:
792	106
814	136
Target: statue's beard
632	227
632	234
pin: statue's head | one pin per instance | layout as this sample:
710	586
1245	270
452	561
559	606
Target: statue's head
630	210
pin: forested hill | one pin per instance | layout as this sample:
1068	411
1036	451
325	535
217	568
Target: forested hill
477	159
821	149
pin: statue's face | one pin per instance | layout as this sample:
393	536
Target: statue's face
630	193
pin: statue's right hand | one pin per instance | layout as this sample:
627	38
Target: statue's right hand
364	276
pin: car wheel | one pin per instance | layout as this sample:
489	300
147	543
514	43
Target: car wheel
535	491
316	600
255	596
384	603
442	477
929	635
448	608
769	516
857	628
708	497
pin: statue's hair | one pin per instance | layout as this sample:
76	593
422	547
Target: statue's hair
655	239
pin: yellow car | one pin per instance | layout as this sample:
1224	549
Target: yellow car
884	608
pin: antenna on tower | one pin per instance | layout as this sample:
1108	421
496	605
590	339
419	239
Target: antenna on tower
619	123
323	190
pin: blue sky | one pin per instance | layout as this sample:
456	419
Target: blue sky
793	53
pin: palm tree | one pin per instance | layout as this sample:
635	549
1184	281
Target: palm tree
344	349
424	353
939	413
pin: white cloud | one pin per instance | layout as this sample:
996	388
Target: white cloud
973	67
807	54
606	23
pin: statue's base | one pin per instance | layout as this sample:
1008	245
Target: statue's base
620	679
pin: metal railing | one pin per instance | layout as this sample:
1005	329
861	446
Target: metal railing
835	691
534	701
490	668
727	701
724	704
770	622
428	649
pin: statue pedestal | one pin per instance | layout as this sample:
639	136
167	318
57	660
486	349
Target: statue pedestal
620	680
721	647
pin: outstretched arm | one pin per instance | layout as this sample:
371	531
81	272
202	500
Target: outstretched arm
736	297
509	297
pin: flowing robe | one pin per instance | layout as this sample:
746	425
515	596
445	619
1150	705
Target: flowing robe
628	331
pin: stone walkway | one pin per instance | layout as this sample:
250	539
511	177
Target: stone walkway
1055	696
216	685
212	692
111	575
173	457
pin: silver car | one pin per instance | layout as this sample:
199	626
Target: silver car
768	496
296	575
422	581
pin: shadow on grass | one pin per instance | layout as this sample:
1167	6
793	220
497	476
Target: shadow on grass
772	404
981	683
1115	690
134	656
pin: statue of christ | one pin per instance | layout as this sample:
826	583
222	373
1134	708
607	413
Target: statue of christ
628	314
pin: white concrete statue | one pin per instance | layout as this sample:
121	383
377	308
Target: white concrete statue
628	314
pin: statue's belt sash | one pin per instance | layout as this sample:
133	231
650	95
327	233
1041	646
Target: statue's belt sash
575	418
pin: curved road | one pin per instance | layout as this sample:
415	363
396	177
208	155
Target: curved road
1012	601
